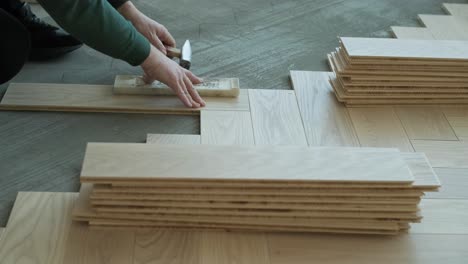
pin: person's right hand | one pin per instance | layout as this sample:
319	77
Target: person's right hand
159	67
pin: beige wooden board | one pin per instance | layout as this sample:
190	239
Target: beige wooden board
446	27
406	48
412	33
37	228
110	161
454	184
216	87
1	232
426	122
423	173
99	98
336	192
226	127
399	84
254	198
276	118
235	228
379	127
110	246
172	139
403	249
252	205
443	216
403	90
458	119
455	9
379	102
326	121
449	154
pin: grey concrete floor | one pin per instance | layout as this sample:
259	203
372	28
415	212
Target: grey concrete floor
259	41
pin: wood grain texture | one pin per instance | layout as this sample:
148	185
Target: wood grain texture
448	154
457	116
454	184
379	127
226	128
425	123
99	98
109	246
109	161
330	249
446	27
326	121
160	246
234	247
455	9
172	139
443	216
37	228
412	33
276	118
405	48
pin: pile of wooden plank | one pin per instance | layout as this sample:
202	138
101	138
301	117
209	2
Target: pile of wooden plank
400	71
258	188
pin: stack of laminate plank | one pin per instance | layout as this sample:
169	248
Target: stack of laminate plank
258	188
400	71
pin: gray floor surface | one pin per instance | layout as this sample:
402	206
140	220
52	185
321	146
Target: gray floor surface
259	41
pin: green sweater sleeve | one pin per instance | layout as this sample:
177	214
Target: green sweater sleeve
100	26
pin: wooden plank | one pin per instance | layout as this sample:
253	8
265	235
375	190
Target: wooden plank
2	229
448	154
412	33
369	48
454	184
443	216
37	228
99	98
172	139
326	121
446	27
425	123
110	246
114	162
455	9
379	127
168	246
234	247
215	87
226	127
404	249
276	118
457	116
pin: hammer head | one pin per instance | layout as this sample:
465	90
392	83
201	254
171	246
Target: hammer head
184	55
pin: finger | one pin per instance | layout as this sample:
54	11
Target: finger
195	79
147	79
193	92
188	88
158	44
181	93
167	38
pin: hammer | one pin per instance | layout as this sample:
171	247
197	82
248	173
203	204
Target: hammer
184	55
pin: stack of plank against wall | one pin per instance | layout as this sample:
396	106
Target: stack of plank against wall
268	188
400	71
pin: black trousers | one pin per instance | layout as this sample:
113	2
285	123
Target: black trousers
15	45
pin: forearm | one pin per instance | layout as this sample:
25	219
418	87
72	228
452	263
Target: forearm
100	26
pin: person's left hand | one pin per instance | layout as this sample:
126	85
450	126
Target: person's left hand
156	33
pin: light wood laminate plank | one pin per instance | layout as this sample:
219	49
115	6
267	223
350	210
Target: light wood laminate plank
412	33
445	154
455	9
426	122
458	119
276	118
445	27
454	184
326	121
226	128
379	127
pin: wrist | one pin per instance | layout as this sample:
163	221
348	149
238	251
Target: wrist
129	11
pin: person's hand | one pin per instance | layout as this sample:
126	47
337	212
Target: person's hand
159	67
156	33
